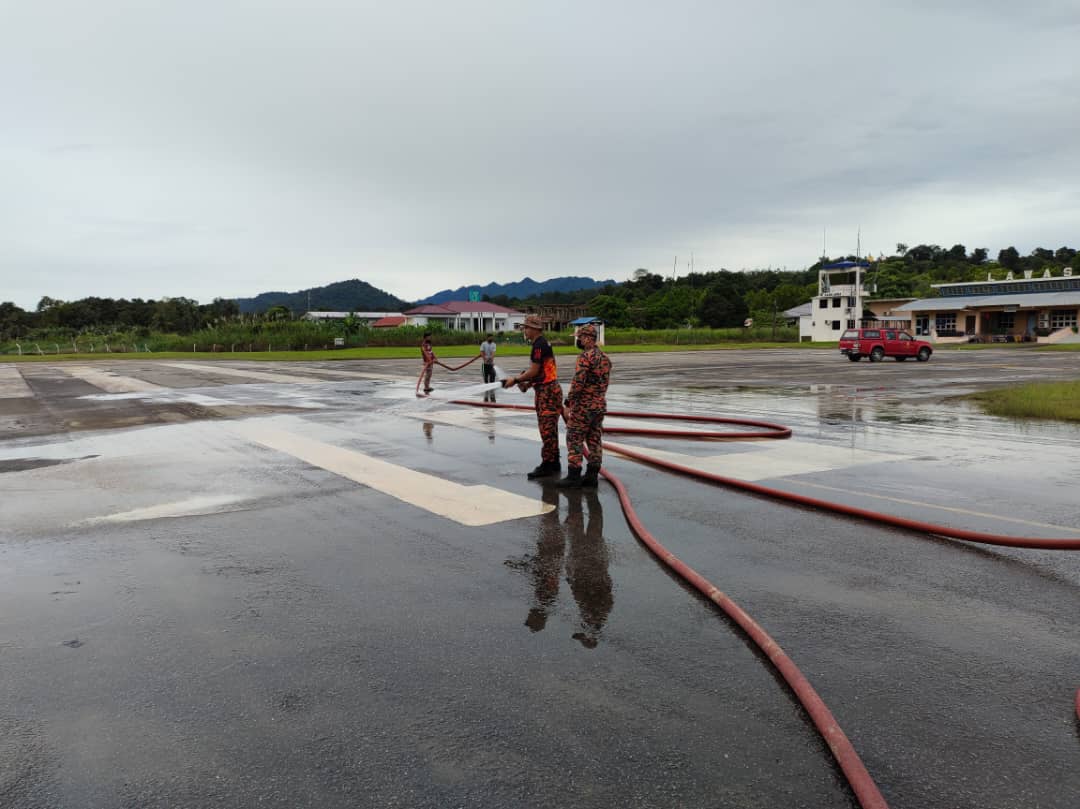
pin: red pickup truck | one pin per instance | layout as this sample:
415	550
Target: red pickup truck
877	344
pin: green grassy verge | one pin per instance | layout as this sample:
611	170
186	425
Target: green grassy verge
1010	347
1059	401
1061	347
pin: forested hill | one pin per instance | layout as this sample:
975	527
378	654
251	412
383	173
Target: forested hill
647	300
519	290
344	296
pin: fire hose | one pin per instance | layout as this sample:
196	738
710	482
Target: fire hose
420	378
859	779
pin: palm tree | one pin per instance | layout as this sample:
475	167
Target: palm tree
351	324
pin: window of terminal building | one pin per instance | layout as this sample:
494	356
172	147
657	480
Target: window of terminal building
1006	320
836	303
836	325
945	322
851	324
823	303
1062	318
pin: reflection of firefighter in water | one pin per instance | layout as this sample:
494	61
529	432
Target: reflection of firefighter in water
586	564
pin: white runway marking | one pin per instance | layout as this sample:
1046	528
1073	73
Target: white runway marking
110	382
162	395
776	460
192	507
262	376
12	384
467	505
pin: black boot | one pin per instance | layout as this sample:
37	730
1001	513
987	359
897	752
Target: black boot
546	469
572	479
590	480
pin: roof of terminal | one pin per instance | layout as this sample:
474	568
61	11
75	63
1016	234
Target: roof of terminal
1028	300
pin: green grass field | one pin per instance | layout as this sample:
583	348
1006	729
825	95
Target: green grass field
1059	401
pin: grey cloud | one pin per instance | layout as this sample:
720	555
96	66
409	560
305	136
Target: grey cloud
252	145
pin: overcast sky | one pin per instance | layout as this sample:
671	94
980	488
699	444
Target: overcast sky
155	148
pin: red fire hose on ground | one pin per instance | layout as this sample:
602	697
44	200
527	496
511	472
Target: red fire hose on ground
853	511
769	430
862	784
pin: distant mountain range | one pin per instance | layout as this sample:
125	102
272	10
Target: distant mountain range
525	288
360	296
343	296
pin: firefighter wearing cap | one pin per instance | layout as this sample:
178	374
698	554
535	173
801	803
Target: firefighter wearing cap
585	405
543	378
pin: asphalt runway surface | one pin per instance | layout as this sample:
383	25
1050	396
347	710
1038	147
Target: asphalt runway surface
297	585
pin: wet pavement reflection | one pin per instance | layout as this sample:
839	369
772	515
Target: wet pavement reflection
574	542
192	617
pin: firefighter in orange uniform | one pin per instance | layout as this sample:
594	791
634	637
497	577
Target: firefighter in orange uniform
543	377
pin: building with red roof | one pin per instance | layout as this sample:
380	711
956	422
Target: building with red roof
389	322
477	316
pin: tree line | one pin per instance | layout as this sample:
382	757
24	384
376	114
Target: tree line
106	315
716	299
724	299
911	271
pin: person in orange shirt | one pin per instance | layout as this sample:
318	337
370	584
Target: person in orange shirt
543	377
428	353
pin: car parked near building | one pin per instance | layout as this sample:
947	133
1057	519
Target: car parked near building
877	344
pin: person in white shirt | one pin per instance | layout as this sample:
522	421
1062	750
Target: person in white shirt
487	363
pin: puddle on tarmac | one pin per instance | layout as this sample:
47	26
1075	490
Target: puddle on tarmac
871	418
26	464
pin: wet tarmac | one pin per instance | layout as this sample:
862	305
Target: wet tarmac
296	585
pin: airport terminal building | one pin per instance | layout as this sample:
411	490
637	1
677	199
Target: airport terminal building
1024	309
1027	309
